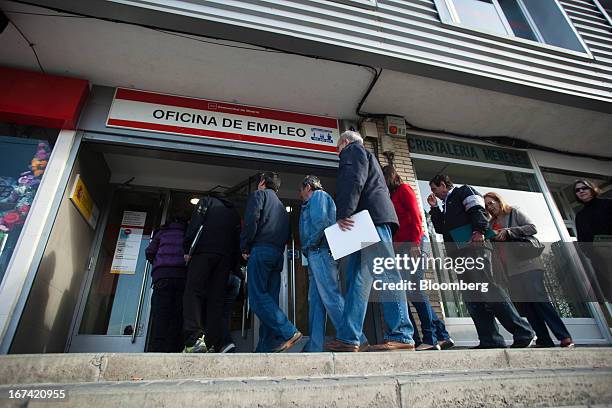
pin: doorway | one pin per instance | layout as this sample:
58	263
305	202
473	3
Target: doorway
149	187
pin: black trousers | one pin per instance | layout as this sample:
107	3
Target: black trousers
166	316
540	313
484	307
207	277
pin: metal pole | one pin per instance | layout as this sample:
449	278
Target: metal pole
293	278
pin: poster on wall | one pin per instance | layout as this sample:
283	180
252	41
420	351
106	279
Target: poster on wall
128	245
162	113
82	200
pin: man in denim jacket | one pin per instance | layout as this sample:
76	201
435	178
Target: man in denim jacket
324	296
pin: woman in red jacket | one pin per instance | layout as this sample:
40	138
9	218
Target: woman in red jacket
435	336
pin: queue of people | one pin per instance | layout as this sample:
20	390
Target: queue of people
196	266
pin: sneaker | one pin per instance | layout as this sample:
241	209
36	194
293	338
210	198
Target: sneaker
228	348
523	343
567	343
390	345
446	344
426	347
198	347
338	346
289	343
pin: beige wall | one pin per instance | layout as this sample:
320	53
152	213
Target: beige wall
45	323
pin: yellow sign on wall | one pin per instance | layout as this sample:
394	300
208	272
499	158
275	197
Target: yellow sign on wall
84	203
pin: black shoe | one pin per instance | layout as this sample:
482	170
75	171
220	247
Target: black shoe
488	346
523	343
446	344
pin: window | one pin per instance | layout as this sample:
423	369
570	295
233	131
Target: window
520	189
537	20
24	154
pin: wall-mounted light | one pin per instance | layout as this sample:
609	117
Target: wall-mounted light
194	200
288	208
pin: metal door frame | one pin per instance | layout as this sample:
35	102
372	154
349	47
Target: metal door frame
98	341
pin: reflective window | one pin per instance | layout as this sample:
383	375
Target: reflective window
537	20
520	190
479	14
24	155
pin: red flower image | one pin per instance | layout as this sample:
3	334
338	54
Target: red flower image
11	219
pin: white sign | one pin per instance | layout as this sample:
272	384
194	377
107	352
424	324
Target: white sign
134	218
162	113
127	249
361	235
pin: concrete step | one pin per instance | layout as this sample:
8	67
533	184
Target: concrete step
84	368
492	388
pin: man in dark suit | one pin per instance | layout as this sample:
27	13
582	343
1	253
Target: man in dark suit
463	206
361	186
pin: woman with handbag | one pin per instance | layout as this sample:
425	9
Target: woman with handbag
520	253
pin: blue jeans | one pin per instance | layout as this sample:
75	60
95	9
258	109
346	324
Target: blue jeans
264	268
324	297
359	284
432	328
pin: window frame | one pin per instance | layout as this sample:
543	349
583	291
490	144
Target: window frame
450	18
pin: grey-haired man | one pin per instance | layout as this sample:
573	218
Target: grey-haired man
324	296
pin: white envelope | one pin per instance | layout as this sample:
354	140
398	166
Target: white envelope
363	234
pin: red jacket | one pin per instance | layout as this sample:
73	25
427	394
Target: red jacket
409	215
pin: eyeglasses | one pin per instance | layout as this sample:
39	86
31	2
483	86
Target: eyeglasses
579	189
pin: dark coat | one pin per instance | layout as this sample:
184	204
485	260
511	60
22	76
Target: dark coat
361	186
221	227
265	222
595	218
464	205
165	252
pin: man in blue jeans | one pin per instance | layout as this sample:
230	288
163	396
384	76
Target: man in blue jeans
361	186
262	242
324	296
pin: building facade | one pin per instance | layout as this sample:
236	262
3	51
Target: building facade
170	100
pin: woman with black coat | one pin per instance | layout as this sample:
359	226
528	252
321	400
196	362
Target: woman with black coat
594	226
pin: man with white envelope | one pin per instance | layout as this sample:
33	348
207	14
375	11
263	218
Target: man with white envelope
361	186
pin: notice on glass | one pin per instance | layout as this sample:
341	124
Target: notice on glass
83	201
134	218
128	245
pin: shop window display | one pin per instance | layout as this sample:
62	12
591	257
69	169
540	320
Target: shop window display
24	157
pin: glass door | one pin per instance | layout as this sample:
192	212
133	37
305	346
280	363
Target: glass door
114	314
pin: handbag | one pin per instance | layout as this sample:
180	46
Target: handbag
527	246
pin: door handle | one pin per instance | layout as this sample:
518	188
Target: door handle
293	279
140	300
141	296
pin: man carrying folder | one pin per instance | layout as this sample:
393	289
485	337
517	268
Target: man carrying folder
463	223
361	186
